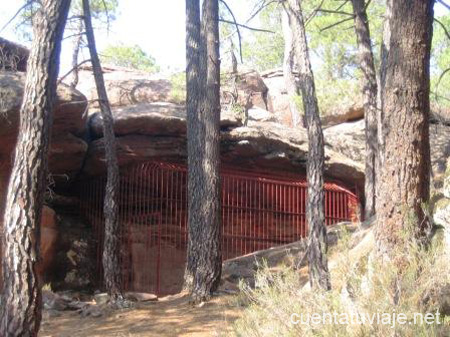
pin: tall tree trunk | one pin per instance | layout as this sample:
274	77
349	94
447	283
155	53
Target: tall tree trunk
21	303
75	52
204	248
404	184
370	92
111	248
317	244
288	69
195	77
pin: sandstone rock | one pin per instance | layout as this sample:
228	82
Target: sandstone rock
68	113
13	56
261	115
347	114
278	96
273	146
66	150
156	119
66	157
268	145
49	241
134	149
348	139
125	86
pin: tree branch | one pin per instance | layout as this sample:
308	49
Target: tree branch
237	29
16	14
247	27
71	70
314	13
440	78
443	27
336	24
334	12
444	4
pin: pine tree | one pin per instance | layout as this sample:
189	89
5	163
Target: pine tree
21	301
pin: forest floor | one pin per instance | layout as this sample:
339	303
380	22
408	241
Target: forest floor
169	316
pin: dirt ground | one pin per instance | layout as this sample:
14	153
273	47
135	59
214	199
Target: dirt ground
170	316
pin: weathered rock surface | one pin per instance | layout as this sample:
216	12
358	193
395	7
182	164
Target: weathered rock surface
349	139
67	149
49	241
280	103
13	56
134	149
125	86
156	119
247	89
259	144
278	96
349	114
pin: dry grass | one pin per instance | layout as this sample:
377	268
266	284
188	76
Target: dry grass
361	284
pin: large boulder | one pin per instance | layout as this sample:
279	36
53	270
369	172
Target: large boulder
14	57
349	140
156	119
247	89
126	86
278	96
260	144
132	149
67	148
350	113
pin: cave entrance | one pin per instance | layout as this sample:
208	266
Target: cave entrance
259	210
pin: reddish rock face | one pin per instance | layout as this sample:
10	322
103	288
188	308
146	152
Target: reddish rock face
67	150
49	243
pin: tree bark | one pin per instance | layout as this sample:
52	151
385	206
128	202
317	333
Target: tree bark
21	302
204	266
194	81
288	69
317	245
370	91
404	184
111	248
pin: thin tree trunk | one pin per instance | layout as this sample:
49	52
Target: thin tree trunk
370	92
111	248
75	52
404	185
195	134
21	303
317	245
204	249
288	69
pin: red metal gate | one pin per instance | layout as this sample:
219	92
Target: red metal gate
259	211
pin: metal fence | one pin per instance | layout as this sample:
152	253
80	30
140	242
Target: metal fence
259	211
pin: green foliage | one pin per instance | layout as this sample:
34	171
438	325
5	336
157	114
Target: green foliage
130	57
178	92
262	50
99	8
440	62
